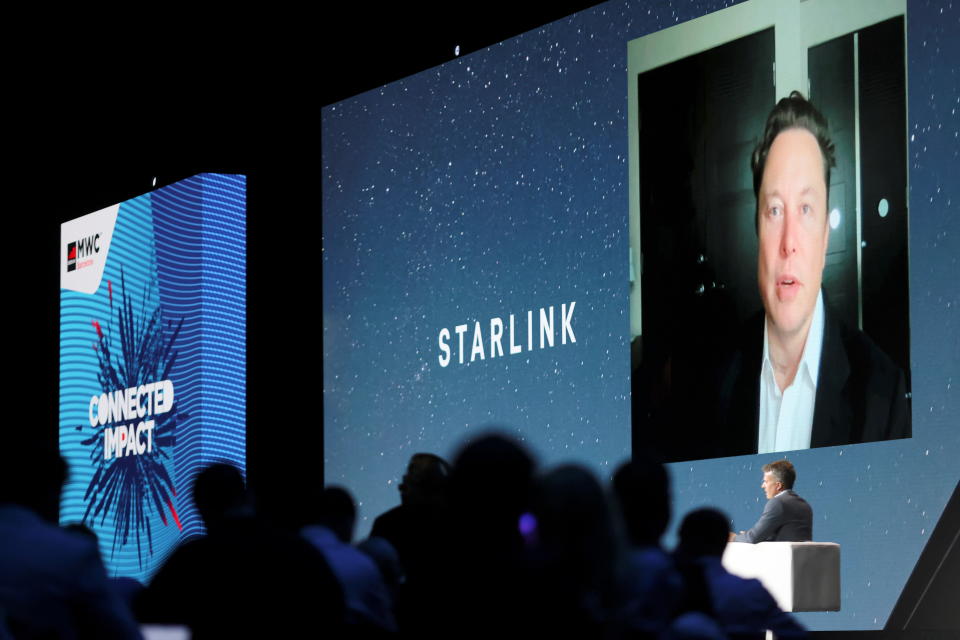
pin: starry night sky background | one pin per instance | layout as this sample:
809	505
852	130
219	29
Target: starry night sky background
497	183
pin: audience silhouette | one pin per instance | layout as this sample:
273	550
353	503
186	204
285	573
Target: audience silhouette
52	582
743	608
369	604
419	529
654	589
126	587
479	548
488	582
414	527
244	578
578	556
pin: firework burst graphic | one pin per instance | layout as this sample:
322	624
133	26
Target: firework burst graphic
134	350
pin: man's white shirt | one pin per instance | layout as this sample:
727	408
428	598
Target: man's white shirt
786	419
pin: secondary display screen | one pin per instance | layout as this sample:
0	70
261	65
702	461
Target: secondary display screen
152	363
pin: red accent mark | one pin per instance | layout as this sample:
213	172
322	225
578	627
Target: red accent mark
96	325
176	518
110	290
73	253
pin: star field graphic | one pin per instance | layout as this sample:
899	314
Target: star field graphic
462	194
497	184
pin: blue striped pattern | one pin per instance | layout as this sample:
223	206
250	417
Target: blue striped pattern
183	248
200	231
131	251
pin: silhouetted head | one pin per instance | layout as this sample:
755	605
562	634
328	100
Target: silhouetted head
642	488
338	512
704	532
82	530
219	493
575	526
490	485
570	505
426	480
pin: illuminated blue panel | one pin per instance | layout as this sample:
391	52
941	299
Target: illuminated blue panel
169	311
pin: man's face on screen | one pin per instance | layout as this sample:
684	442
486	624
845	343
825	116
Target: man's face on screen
792	231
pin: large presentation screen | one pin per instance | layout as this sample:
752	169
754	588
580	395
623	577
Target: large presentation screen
474	262
559	236
152	363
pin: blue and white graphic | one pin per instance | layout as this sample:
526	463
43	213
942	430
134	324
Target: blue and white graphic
152	362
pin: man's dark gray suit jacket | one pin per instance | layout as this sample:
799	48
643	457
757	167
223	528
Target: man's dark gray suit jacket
786	518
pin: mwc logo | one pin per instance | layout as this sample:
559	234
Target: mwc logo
81	249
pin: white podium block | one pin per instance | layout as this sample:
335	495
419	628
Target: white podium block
801	576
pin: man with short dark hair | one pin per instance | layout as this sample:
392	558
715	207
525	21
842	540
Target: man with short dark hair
786	517
801	378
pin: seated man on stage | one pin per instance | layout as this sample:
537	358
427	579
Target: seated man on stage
787	517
